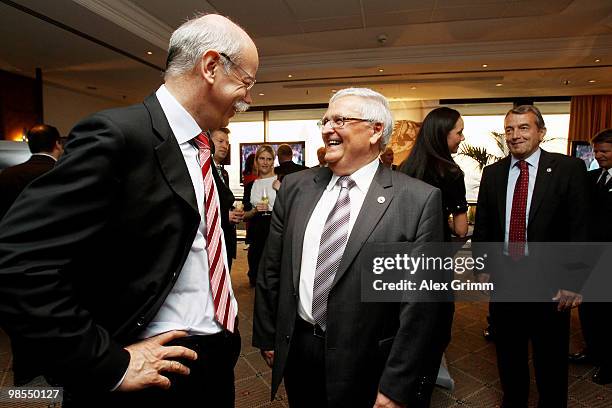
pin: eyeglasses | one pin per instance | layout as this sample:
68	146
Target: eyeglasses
249	82
339	122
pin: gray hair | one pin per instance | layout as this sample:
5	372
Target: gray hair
196	36
523	109
375	109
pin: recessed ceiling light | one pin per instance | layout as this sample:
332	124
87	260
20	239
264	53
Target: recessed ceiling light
499	84
149	52
334	91
597	60
261	94
381	70
592	81
484	65
413	87
289	76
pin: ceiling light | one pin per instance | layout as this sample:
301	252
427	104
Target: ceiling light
289	76
592	81
484	65
499	84
261	94
334	91
597	60
381	70
149	52
413	87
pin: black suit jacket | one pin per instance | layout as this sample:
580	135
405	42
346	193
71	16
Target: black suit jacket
91	249
368	345
14	179
602	208
287	167
226	198
559	209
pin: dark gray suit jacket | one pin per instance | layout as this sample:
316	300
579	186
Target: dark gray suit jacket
368	345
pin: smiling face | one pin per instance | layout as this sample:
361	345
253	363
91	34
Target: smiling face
522	134
603	154
265	164
455	136
354	145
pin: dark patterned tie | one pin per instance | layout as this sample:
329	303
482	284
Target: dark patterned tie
331	249
225	313
603	180
518	216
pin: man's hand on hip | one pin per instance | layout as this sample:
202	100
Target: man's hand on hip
382	401
149	358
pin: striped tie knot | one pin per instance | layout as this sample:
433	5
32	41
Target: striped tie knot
346	182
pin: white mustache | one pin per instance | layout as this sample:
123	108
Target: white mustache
241	106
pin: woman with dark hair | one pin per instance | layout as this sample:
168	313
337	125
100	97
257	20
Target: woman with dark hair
250	170
258	201
431	161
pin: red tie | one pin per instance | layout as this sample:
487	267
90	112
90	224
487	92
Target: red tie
518	217
225	312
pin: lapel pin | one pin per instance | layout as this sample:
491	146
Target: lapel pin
548	170
381	200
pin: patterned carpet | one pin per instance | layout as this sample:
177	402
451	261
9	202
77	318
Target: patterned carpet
470	357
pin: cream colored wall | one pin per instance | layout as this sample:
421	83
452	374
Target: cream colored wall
63	107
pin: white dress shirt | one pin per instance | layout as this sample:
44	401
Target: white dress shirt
189	305
532	166
312	237
608	175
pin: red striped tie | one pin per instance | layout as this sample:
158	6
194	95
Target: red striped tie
518	216
225	312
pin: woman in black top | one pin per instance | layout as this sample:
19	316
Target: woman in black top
431	161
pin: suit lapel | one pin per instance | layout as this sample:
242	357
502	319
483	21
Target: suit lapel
544	177
501	186
169	155
370	214
311	194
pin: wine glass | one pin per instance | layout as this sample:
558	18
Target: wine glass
266	200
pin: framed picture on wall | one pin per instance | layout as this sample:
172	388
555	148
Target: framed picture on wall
584	151
246	149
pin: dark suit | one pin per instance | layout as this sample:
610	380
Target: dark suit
102	250
558	213
368	346
594	316
14	179
287	167
226	198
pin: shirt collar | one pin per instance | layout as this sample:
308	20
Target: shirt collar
532	160
44	154
362	177
183	125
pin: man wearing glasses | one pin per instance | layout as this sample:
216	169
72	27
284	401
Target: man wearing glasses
113	269
332	349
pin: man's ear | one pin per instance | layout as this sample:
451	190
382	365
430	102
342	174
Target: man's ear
210	63
542	133
378	132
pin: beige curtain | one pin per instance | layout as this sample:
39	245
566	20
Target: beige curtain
588	115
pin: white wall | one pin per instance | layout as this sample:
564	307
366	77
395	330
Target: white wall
63	107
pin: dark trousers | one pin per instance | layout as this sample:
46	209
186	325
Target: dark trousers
515	325
209	384
305	370
594	318
259	228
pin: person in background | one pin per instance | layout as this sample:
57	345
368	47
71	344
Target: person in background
531	196
386	158
431	161
258	200
46	146
229	215
286	164
594	316
250	170
321	157
112	269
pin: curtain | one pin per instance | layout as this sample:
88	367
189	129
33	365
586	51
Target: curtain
588	115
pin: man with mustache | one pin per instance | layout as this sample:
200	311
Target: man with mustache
113	269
